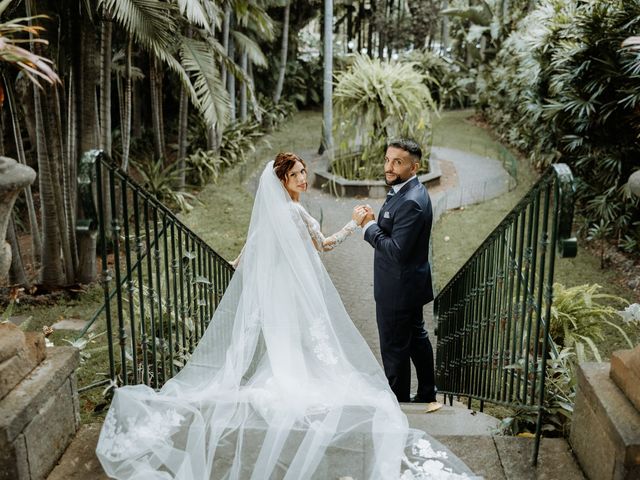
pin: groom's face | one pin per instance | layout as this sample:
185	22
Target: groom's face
399	166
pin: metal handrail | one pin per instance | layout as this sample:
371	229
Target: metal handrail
493	315
167	280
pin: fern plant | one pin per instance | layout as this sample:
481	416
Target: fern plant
375	100
581	315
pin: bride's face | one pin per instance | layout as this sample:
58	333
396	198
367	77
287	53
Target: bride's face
296	180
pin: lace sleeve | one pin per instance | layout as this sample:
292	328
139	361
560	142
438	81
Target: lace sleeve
235	262
322	243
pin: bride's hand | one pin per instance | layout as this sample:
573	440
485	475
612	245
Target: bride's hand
359	213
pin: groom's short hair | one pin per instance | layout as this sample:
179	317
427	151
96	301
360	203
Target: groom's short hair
408	145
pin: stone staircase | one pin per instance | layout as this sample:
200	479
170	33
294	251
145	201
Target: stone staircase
468	434
39	412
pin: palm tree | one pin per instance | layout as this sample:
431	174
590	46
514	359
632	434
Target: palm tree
327	106
283	53
37	69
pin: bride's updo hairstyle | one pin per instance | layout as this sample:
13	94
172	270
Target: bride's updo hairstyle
284	162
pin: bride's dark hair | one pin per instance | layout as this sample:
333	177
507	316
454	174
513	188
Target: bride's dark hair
284	162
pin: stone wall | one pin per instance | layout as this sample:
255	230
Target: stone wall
39	411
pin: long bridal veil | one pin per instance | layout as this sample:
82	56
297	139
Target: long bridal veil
282	385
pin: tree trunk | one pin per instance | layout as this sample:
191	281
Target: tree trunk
88	133
53	119
370	30
381	31
71	168
183	126
105	83
360	24
283	54
231	83
243	87
136	110
446	41
34	229
226	27
327	106
350	9
17	274
156	109
51	273
104	123
126	110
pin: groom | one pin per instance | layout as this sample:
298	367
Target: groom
402	274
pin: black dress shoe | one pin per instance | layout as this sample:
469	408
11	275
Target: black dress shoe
421	399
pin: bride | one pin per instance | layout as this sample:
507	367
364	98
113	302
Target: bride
281	385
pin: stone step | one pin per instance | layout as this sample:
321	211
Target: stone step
492	457
456	420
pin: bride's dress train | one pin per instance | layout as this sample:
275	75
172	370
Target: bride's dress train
282	385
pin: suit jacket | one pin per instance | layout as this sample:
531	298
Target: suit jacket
402	274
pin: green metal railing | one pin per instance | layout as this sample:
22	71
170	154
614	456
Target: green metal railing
492	317
161	282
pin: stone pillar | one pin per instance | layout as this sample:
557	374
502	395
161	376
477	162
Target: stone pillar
13	178
39	411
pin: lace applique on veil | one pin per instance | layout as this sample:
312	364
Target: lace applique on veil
120	441
320	336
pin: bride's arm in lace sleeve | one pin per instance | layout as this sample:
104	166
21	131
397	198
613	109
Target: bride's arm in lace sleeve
322	243
236	261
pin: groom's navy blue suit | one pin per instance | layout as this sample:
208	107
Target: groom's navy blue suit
402	285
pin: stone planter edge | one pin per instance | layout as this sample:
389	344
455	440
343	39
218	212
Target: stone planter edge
342	187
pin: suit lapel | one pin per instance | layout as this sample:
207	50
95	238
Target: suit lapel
387	205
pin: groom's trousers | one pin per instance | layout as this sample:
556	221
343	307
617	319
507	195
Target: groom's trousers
403	339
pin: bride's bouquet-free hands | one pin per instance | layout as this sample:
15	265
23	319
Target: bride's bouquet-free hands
362	214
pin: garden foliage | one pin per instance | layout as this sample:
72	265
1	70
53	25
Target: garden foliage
563	89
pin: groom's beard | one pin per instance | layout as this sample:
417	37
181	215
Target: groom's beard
396	181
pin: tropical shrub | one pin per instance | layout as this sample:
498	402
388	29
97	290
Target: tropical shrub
238	142
161	179
274	114
563	89
580	317
376	100
450	82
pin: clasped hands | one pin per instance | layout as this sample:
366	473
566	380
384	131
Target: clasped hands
362	214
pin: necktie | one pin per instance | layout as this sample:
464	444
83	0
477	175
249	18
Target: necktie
391	193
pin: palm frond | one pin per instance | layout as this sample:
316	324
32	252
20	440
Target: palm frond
151	23
211	97
195	11
251	47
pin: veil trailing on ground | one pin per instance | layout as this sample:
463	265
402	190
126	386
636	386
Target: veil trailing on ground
281	385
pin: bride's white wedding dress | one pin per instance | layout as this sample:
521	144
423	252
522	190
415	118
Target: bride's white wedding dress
282	385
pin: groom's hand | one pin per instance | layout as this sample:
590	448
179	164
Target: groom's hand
369	215
359	212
